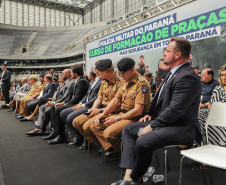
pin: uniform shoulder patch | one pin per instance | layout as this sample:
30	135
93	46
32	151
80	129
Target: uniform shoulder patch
144	88
141	79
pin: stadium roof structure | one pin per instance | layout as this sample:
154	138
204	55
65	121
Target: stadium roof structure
77	6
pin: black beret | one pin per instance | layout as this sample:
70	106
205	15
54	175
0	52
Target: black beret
104	64
125	64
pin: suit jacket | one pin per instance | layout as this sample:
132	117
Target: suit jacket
92	94
64	92
49	90
79	91
24	88
6	78
174	115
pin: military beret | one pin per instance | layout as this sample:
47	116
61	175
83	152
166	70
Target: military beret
125	64
104	64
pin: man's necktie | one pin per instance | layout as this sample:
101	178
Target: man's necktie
164	84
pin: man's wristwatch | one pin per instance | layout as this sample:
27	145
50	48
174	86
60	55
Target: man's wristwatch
205	105
118	118
100	110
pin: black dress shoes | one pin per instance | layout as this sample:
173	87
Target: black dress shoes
76	142
19	117
59	139
52	135
125	182
4	107
109	152
24	119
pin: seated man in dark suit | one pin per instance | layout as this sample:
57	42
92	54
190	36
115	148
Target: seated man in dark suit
172	118
73	109
64	94
81	85
45	95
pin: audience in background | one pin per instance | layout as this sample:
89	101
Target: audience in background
52	72
36	89
207	85
196	69
12	92
218	95
54	79
20	94
149	78
92	77
45	96
18	86
47	111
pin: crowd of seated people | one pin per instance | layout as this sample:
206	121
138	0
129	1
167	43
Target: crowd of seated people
64	100
98	107
77	103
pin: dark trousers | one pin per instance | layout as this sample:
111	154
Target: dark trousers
43	101
5	91
46	118
137	151
56	119
67	116
32	104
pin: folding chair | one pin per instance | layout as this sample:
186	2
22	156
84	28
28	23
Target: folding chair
209	154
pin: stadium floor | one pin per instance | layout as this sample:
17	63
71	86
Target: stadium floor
31	161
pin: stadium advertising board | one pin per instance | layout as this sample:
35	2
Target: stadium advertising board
196	21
